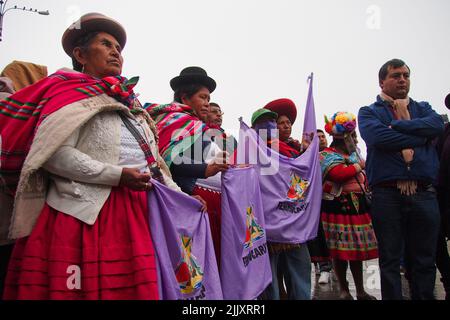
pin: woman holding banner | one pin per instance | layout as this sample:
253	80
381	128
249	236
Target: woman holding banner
290	262
345	218
195	161
85	153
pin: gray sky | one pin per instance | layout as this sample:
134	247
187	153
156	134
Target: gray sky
256	50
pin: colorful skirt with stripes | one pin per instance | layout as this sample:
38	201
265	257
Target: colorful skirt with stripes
348	228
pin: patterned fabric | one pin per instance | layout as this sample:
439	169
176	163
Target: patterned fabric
23	112
291	149
329	158
178	128
346	223
348	228
340	123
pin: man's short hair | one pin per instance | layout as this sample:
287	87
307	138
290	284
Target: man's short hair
394	63
320	130
213	104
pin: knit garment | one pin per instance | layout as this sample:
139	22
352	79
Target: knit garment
131	155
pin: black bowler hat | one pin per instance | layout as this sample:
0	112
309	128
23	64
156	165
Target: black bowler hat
193	75
447	101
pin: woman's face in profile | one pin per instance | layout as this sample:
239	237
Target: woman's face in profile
199	102
103	57
285	127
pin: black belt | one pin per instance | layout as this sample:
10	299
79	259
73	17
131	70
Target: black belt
421	185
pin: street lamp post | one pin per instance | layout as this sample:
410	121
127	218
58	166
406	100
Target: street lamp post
3	11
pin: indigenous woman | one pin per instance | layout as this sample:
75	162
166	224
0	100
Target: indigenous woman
84	151
287	113
195	161
345	218
290	262
290	147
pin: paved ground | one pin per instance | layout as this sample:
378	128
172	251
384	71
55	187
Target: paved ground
330	291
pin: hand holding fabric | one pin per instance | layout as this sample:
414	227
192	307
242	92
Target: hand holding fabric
134	179
202	201
213	168
220	158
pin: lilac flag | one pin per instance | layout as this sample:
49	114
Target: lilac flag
291	188
245	267
187	267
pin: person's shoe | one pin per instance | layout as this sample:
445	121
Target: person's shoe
333	276
402	270
324	277
446	284
317	269
366	296
345	295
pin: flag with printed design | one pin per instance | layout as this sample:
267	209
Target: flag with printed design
244	267
291	188
187	267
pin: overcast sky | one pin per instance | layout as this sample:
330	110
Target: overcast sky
256	50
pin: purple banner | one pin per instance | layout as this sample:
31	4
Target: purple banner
187	267
291	188
245	267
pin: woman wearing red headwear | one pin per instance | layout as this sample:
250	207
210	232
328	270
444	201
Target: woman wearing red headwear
291	262
287	114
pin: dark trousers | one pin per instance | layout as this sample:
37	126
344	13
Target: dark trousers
5	254
412	221
443	262
295	265
325	266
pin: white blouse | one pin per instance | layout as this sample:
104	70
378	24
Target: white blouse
131	154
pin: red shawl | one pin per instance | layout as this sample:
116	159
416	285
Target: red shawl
288	150
23	112
178	128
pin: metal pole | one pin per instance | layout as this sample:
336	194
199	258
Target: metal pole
3	12
1	25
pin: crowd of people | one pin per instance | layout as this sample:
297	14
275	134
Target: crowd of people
79	150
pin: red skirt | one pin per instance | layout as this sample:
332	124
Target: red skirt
213	202
64	258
